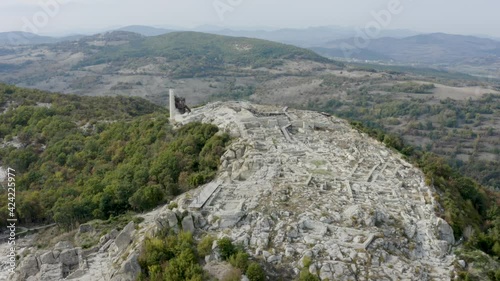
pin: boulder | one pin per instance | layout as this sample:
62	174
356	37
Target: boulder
129	270
125	237
48	258
274	259
84	228
29	267
230	154
50	272
188	224
314	227
199	221
69	257
326	272
171	219
444	231
165	220
131	266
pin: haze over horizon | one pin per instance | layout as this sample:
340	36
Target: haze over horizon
58	17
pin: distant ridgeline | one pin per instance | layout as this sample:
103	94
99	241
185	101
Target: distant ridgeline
194	54
81	158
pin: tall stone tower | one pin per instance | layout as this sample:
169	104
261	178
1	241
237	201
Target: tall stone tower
173	110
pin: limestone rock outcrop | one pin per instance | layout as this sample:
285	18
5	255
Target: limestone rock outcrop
300	183
293	185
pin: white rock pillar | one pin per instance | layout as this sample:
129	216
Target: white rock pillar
173	110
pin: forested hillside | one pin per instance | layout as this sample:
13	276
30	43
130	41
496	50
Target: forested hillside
193	54
80	158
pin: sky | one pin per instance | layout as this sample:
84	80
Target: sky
58	17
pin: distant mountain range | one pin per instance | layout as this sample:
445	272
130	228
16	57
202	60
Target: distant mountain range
436	48
26	38
309	37
394	46
146	30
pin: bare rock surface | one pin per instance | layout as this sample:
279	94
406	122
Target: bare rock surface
293	184
300	183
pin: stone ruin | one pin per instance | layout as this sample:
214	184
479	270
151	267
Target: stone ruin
296	184
292	185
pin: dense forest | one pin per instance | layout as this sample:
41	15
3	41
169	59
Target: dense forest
81	158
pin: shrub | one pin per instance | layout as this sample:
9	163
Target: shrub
226	248
239	260
184	267
306	262
255	272
172	205
205	246
172	258
305	275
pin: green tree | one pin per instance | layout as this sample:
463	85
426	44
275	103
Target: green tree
147	197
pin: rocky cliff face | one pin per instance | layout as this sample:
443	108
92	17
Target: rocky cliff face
293	184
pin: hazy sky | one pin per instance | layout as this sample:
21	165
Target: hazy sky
71	16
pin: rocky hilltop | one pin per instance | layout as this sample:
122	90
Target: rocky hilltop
292	184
